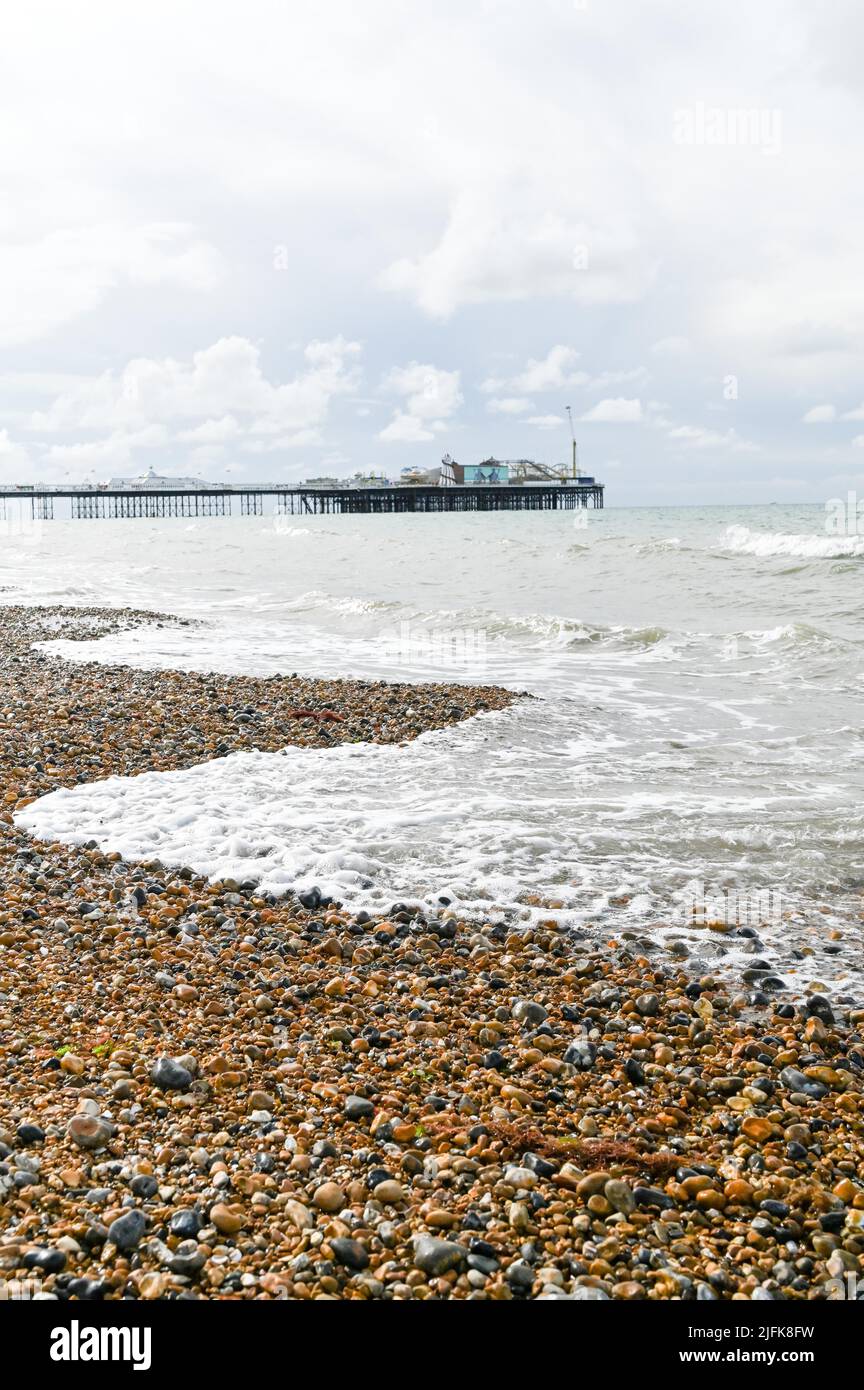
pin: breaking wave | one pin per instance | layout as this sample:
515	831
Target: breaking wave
740	540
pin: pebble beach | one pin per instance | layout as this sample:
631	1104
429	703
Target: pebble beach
210	1092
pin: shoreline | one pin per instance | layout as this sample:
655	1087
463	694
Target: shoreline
379	1108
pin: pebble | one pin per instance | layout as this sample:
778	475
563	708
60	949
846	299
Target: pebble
390	1192
89	1131
350	1253
46	1260
169	1075
188	1259
358	1108
30	1134
127	1231
329	1197
648	1005
226	1219
797	1081
620	1196
186	1223
436	1257
527	1011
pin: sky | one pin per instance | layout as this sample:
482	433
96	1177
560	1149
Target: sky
270	241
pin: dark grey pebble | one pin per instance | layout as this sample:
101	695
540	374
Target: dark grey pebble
186	1223
47	1260
168	1075
128	1229
436	1257
30	1134
144	1186
349	1252
358	1108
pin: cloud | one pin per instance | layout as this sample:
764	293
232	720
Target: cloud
429	392
406	429
802	310
15	466
558	371
212	431
615	410
48	283
430	396
226	377
671	347
503	244
528	194
545	422
300	440
554	372
508	405
856	414
701	438
819	414
117	451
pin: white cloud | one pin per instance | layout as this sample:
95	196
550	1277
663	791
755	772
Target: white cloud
554	372
673	346
701	438
530	182
212	431
39	383
508	405
798	314
545	422
430	396
605	379
300	440
819	414
510	244
117	451
429	392
558	371
856	414
406	429
15	466
47	283
615	410
225	377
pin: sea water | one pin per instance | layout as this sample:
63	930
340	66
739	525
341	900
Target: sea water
694	752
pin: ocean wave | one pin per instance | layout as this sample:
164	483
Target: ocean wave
796	636
351	607
740	540
549	630
660	545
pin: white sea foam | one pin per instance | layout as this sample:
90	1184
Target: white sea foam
700	711
365	823
741	540
483	815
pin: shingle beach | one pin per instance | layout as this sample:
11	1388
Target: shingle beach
209	1092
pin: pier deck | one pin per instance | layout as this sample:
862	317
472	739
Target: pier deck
96	503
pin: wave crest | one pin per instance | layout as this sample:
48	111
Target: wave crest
740	540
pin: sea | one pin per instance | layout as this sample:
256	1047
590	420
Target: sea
688	775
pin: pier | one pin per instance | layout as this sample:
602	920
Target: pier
85	504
